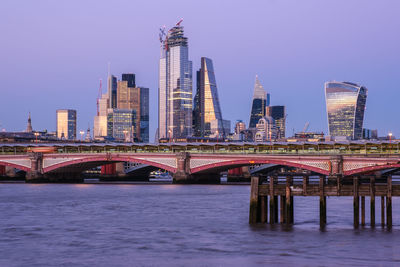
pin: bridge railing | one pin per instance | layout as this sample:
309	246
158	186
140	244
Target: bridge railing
224	148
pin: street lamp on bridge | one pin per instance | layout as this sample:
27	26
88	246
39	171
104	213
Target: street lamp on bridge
82	133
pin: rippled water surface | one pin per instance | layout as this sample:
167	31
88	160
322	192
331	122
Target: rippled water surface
178	225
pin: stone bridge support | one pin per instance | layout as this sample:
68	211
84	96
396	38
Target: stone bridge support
182	174
36	171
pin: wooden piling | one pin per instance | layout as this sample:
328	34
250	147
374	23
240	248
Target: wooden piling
253	214
264	209
271	200
389	203
292	210
305	183
282	209
356	202
383	211
276	209
363	210
372	199
322	202
288	198
338	185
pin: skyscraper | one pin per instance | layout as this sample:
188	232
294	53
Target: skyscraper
260	101
278	114
66	124
112	91
130	97
121	124
206	107
345	106
175	85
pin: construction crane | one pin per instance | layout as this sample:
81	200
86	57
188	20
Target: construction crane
306	126
179	22
99	97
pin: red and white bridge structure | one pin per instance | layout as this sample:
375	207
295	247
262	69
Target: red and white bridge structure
192	161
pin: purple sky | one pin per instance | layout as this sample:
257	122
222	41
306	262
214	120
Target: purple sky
53	53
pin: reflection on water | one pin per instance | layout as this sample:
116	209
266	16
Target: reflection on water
125	225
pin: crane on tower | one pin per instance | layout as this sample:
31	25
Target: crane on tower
179	22
306	126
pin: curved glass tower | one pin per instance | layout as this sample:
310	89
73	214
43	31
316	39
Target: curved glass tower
207	107
345	106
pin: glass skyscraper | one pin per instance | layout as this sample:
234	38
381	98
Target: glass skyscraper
175	86
260	101
278	114
206	103
121	124
66	124
345	105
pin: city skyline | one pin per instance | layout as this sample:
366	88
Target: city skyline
280	64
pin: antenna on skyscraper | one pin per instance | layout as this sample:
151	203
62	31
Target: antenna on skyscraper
109	66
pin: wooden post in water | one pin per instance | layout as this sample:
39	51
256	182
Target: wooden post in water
282	209
253	214
363	210
264	209
389	202
288	199
276	210
305	183
383	211
372	198
338	185
322	202
356	202
271	200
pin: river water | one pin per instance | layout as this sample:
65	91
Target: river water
178	225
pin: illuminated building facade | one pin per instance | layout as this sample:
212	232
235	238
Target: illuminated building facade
260	101
207	109
121	124
345	105
175	86
130	97
266	130
278	113
240	126
66	124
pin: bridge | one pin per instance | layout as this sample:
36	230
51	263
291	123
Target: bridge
191	162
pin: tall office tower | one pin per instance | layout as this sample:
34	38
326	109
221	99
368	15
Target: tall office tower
260	101
100	120
112	91
135	98
66	124
175	85
130	79
345	105
29	125
279	115
196	109
207	107
121	124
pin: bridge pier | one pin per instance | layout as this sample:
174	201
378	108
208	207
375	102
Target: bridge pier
182	174
36	173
